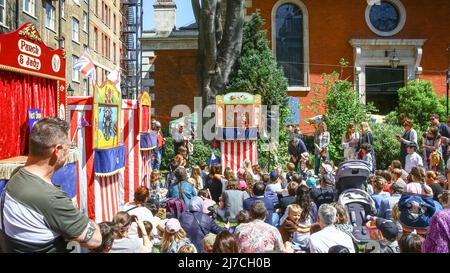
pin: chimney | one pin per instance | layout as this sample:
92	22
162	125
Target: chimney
165	17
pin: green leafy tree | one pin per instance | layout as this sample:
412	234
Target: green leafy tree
257	72
342	106
417	101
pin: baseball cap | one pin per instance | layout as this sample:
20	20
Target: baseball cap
274	175
173	225
328	168
388	228
311	182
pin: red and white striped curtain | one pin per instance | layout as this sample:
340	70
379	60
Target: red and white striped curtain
102	197
234	152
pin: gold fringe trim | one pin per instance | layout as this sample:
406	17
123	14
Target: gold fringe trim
6	170
147	149
110	174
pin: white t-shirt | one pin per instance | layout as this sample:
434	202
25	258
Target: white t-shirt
322	241
144	214
412	160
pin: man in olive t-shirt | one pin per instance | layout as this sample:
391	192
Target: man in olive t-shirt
35	215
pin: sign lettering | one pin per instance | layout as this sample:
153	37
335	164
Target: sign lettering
29	48
29	62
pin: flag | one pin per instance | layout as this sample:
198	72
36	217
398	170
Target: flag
85	65
114	77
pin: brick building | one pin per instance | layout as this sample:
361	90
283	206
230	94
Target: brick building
77	25
386	43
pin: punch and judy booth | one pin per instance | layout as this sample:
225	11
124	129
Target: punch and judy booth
32	86
238	118
114	155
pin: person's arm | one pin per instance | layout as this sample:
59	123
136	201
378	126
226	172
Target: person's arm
91	237
63	218
147	247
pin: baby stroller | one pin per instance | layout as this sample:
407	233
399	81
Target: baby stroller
351	179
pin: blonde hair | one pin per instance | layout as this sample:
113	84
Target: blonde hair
396	212
379	183
155	177
294	208
341	214
290	166
169	238
196	175
431	175
189	248
365	127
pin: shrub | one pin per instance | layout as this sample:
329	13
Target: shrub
387	147
417	101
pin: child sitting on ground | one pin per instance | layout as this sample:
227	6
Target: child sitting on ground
291	224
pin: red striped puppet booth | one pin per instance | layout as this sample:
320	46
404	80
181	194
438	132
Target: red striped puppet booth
99	196
238	117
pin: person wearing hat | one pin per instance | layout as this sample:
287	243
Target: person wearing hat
412	159
387	204
174	237
326	193
388	238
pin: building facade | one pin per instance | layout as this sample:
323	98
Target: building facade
75	25
386	43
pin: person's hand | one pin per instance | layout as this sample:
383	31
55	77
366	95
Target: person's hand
227	225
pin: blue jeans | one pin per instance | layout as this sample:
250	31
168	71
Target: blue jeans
158	154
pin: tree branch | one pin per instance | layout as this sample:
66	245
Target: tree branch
196	8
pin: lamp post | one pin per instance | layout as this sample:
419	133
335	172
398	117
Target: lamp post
70	91
394	60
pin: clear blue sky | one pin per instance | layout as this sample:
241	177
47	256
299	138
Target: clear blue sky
185	16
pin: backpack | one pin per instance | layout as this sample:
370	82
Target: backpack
416	210
174	206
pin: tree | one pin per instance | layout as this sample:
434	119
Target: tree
256	71
343	106
220	25
417	101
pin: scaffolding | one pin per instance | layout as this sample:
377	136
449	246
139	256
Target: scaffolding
131	59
